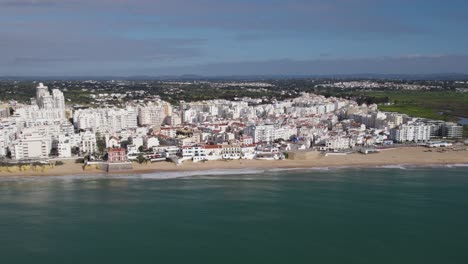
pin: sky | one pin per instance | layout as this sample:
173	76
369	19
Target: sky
232	37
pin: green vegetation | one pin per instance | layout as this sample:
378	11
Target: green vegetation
435	105
20	91
413	110
77	96
141	159
100	142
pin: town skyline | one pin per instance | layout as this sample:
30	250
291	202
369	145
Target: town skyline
112	129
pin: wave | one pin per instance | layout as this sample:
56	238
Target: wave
219	172
186	174
457	165
401	167
422	166
154	175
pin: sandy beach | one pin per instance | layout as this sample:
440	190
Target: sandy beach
418	156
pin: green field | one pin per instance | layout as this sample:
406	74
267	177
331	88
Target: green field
435	105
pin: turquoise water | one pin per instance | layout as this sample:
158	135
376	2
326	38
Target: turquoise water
338	216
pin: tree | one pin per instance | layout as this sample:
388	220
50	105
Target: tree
278	140
75	150
100	142
141	158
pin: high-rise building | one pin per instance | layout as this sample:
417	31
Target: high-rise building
45	105
47	101
452	130
58	99
151	115
43	98
414	132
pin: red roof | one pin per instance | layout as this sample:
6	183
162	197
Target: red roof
213	146
162	136
115	150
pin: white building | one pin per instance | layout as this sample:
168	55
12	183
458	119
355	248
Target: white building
64	147
260	133
46	101
152	142
138	141
88	142
269	133
31	146
112	142
452	130
151	115
106	119
190	152
337	143
33	113
413	132
231	152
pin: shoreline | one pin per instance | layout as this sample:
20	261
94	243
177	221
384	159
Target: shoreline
390	158
174	174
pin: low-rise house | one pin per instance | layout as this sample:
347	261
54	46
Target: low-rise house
231	152
116	155
112	142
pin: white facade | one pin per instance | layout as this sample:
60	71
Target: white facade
138	141
414	132
337	143
152	142
112	142
193	151
231	152
64	147
34	113
31	146
105	119
51	106
88	142
269	133
151	115
261	133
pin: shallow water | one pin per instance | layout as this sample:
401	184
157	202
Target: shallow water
382	215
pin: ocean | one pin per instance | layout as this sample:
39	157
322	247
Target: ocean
379	215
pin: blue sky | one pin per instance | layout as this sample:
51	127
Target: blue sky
220	37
